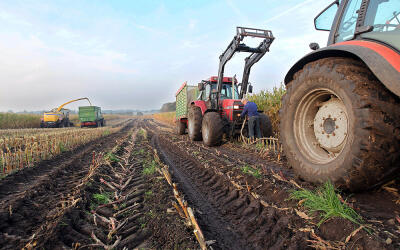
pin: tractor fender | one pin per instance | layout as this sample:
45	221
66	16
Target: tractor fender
383	61
201	104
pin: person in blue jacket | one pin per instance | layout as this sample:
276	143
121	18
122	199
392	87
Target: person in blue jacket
250	109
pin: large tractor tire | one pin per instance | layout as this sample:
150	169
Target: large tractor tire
180	127
339	123
265	125
195	118
212	129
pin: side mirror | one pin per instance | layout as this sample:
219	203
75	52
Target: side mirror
324	20
314	46
250	89
200	86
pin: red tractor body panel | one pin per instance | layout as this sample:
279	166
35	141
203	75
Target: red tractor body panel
389	54
231	109
202	105
382	60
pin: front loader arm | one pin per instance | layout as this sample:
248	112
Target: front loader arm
251	60
236	46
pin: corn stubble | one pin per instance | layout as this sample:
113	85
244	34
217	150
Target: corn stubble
21	148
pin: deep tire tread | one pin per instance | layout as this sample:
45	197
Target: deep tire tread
376	146
195	117
212	122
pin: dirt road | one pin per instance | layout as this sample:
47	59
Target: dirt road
107	195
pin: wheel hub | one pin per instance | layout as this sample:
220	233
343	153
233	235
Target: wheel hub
330	125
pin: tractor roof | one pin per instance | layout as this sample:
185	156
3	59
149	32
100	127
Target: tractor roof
215	79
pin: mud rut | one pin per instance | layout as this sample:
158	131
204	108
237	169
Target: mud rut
242	211
80	201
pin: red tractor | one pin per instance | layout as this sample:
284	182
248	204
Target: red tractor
217	108
340	118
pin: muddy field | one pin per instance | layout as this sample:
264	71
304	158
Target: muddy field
108	195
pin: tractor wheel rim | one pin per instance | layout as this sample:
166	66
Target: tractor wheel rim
321	126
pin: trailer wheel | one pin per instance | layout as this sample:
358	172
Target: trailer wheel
195	118
180	127
339	123
265	124
212	129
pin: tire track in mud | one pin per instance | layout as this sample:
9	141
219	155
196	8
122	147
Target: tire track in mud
134	213
112	224
34	199
217	228
114	205
276	225
231	217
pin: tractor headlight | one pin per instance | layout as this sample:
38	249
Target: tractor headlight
235	106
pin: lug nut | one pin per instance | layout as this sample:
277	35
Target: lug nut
334	119
329	116
327	136
333	134
337	126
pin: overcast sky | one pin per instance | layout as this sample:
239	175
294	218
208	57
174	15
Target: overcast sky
136	54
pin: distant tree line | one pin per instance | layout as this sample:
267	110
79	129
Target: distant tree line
168	107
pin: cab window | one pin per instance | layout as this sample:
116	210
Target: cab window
383	15
207	92
348	21
226	92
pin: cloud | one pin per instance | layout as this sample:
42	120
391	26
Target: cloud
239	13
190	44
124	54
66	34
8	17
192	24
296	7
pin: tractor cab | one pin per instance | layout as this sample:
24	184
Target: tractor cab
228	99
361	20
208	89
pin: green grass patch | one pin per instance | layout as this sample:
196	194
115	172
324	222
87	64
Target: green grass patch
111	157
325	200
102	198
107	132
259	146
149	167
251	171
143	133
62	147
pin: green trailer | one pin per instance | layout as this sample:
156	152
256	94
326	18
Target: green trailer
184	96
91	116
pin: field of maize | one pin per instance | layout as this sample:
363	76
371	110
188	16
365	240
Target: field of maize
21	148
